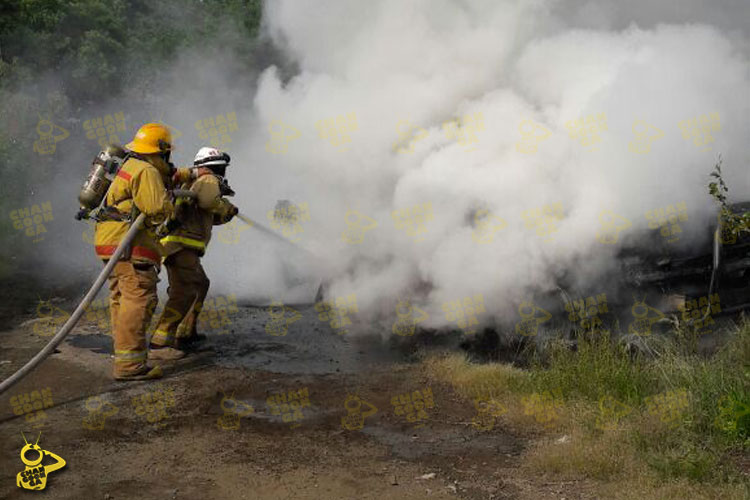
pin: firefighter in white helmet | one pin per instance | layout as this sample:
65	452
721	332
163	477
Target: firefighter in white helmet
184	246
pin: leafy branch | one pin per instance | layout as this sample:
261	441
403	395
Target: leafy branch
732	224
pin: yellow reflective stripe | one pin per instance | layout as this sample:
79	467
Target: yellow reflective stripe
185	241
127	356
161	334
182	200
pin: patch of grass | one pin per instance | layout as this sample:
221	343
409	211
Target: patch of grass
595	369
470	380
686	461
666	423
644	487
601	457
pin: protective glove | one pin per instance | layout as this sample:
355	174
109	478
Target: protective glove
167	227
231	212
181	176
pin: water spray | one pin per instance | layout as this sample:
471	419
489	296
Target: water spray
250	222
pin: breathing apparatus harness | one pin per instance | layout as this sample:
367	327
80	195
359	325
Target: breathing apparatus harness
105	167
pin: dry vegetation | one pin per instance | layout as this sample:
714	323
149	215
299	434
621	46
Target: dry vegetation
672	427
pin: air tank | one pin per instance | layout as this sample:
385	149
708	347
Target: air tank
103	171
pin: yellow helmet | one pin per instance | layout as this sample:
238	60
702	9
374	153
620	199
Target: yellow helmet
151	138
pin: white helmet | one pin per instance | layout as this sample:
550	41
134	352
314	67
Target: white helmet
210	157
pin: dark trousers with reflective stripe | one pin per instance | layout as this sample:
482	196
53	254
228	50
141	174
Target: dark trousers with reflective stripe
188	287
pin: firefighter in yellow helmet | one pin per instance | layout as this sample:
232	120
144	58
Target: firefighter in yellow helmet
139	187
186	244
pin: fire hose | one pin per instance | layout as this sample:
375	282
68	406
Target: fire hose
99	282
73	320
85	302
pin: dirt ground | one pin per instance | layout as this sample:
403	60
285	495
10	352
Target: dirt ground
210	431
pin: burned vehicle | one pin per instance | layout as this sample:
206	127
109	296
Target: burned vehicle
694	283
655	287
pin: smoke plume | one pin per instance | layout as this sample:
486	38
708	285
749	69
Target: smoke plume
512	124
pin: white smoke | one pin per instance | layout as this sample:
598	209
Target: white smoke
431	61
